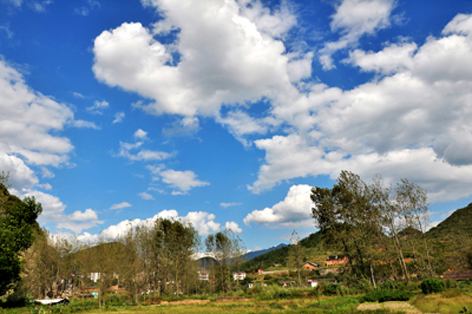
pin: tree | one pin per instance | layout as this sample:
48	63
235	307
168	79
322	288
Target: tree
227	249
17	221
350	221
358	217
296	255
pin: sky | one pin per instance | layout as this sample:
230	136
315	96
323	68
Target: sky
224	113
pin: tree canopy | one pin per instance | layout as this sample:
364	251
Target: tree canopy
17	222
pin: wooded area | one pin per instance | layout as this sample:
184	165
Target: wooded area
379	229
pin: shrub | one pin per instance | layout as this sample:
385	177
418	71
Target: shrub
331	289
384	296
432	285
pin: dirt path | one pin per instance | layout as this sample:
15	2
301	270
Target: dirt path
392	305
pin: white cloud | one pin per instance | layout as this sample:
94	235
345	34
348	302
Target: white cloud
188	126
226	205
241	124
246	61
98	107
354	19
85	10
26	120
85	124
120	205
45	186
140	135
293	211
88	214
40	6
141	154
412	121
119	116
53	212
203	222
146	196
181	181
231	225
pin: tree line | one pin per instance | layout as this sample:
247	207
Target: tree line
374	225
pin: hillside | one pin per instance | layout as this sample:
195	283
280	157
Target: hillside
315	250
249	256
459	224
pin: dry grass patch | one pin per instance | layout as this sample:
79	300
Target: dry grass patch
390	306
443	302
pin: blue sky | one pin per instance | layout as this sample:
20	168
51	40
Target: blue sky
225	113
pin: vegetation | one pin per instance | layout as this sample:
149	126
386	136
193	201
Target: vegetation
432	285
17	224
379	228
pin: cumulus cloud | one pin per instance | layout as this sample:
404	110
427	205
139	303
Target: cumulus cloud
354	19
414	112
181	181
27	119
410	121
203	222
293	211
247	60
88	214
231	225
53	212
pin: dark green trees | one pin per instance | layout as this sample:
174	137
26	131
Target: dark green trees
364	221
17	220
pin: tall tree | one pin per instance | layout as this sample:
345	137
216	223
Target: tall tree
17	221
296	254
347	216
227	249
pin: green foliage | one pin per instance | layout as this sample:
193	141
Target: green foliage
385	296
432	285
331	289
17	221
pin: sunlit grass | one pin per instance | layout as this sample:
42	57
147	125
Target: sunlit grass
451	301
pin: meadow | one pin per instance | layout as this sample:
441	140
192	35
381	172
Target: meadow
455	298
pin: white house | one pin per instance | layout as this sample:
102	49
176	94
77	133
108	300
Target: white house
203	275
239	275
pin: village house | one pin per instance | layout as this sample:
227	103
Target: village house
457	275
203	275
336	260
314	282
239	275
310	266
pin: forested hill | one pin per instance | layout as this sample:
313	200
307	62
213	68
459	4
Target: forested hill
313	242
249	256
456	225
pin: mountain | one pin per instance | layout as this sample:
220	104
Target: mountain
457	225
249	256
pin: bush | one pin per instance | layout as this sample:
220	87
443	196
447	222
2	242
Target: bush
384	296
331	289
432	285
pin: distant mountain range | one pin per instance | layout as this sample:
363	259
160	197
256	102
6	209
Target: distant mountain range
250	255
